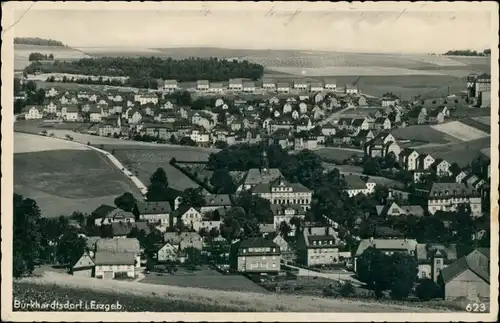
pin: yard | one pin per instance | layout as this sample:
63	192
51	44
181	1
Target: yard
63	181
204	278
140	297
460	130
480	123
423	134
146	160
461	153
337	154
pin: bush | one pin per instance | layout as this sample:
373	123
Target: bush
347	289
329	292
427	290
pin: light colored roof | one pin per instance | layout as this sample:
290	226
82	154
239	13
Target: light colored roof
202	82
176	238
387	244
118	245
170	82
477	261
114	258
256	176
84	261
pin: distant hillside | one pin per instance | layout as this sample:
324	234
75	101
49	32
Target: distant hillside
38	41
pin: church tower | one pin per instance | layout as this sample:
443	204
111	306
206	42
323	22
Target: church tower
265	162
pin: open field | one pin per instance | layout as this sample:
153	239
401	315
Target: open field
470	113
22	52
194	299
479	123
145	161
67	180
209	279
460	131
461	153
485	120
423	133
25	143
356	170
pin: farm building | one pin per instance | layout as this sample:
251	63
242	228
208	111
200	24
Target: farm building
468	276
84	266
269	84
110	265
330	84
203	85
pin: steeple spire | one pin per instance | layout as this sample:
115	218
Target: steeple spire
265	162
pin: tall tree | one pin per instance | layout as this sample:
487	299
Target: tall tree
70	248
26	235
193	197
126	201
222	181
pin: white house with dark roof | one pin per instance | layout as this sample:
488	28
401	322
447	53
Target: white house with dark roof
202	85
269	84
316	87
106	214
118	248
235	84
110	265
284	193
184	240
216	87
408	159
283	87
216	201
393	209
153	212
248	86
170	85
319	246
330	84
355	185
448	196
300	85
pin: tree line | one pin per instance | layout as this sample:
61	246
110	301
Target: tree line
38	41
40	57
184	70
468	52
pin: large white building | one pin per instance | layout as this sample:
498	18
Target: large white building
170	85
448	196
284	193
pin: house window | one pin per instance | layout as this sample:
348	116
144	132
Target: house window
438	262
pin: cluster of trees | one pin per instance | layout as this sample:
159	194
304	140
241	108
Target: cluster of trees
381	272
149	68
38	41
468	52
38	240
34	96
40	57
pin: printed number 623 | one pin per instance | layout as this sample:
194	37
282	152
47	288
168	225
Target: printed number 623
475	307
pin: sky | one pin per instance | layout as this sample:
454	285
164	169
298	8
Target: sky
411	31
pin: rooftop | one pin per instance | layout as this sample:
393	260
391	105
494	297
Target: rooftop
114	258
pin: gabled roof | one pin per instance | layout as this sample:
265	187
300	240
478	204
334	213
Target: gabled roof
387	244
118	245
218	200
123	229
145	207
354	182
102	211
114	258
477	262
84	262
445	190
176	238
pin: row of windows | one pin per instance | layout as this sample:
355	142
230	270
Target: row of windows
320	242
289	201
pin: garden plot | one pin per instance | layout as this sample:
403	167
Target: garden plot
460	131
24	143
